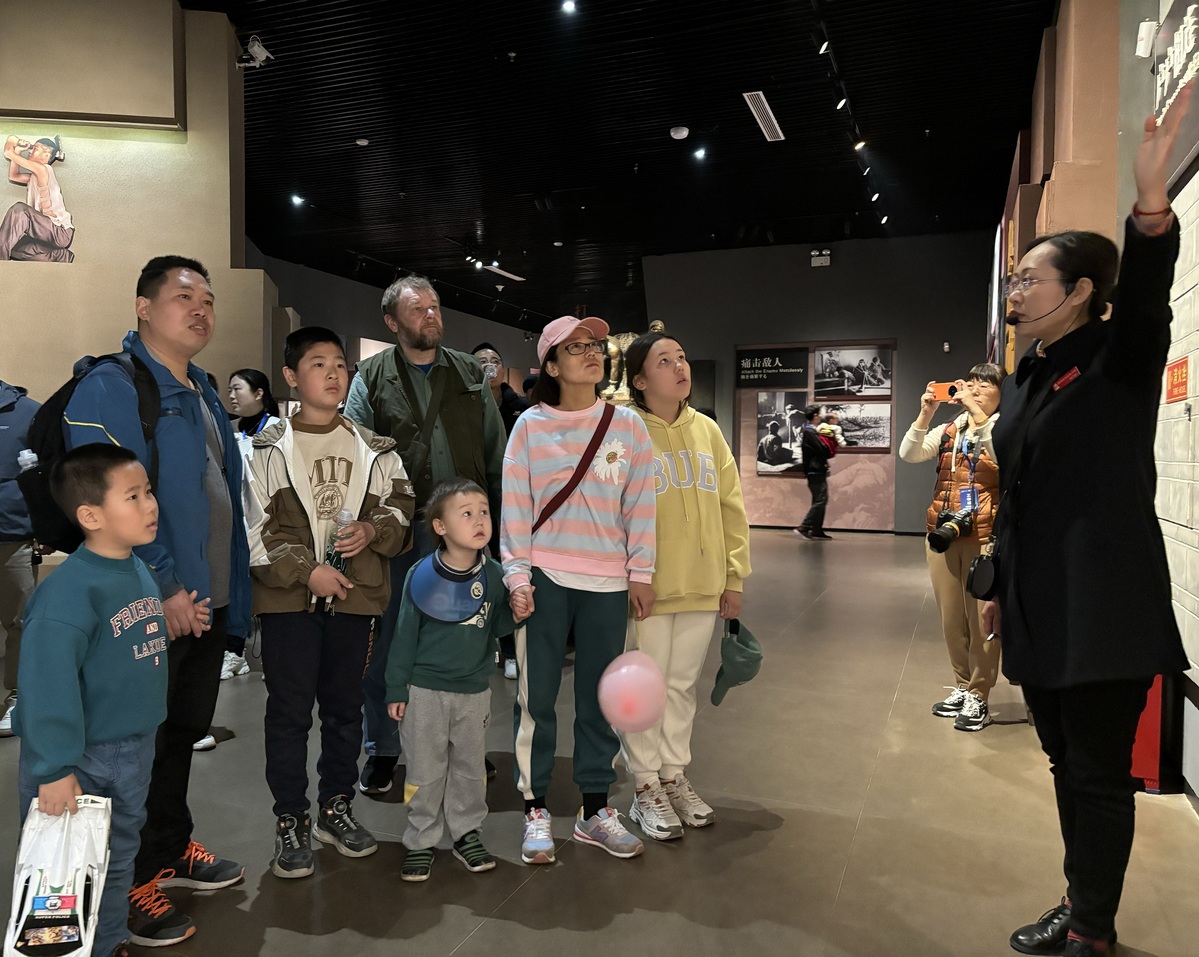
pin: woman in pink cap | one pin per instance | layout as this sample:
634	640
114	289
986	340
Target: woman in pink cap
577	542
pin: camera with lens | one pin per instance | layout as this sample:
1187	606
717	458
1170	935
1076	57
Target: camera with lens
949	526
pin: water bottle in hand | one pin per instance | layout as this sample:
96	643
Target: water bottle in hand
343	520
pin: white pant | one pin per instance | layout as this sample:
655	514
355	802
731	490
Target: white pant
679	644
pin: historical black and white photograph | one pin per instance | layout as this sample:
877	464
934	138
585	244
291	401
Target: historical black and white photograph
864	426
856	370
780	421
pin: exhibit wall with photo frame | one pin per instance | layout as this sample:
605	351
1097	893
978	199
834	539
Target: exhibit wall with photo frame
848	380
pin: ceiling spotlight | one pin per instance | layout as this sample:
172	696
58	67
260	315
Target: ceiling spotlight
874	198
866	171
558	243
859	145
841	102
884	220
679	132
569	6
824	47
495	262
362	141
700	153
470	258
297	200
478	263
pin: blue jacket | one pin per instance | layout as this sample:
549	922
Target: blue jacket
16	412
104	409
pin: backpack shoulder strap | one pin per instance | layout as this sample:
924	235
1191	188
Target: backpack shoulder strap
581	469
148	401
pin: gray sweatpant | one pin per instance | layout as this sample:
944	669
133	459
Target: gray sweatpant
443	736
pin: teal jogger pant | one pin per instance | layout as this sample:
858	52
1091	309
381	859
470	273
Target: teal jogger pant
599	621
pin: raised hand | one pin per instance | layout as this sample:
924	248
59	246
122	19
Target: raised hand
1151	166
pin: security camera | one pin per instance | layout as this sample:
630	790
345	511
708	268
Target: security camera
256	55
257	50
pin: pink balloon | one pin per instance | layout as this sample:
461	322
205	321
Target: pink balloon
632	692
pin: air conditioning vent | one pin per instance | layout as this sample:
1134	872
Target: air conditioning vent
764	115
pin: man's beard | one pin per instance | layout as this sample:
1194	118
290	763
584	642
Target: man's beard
428	338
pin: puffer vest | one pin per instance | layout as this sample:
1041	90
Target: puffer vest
951	479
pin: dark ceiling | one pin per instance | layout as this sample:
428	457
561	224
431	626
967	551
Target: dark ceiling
501	129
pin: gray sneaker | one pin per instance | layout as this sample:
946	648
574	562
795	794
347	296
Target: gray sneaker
690	807
605	830
293	847
335	825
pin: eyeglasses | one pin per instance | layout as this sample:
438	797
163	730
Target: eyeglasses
582	348
1024	284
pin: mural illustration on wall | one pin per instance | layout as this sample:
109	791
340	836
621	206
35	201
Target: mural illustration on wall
862	370
39	229
780	421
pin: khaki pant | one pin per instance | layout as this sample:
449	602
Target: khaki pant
975	661
679	644
17	578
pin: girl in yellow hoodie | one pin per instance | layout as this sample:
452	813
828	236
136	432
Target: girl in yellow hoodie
703	558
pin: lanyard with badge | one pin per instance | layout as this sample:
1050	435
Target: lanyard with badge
968	497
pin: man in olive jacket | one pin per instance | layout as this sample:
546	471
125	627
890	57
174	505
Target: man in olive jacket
462	435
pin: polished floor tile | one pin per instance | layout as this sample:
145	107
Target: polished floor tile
851	822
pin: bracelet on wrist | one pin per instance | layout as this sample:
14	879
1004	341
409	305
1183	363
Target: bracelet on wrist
1137	211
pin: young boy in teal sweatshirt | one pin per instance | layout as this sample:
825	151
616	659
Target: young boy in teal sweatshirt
93	673
454	609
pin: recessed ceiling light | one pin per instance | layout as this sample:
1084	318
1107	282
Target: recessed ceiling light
362	141
700	153
884	220
495	262
569	6
679	132
478	263
557	243
297	200
841	102
866	171
860	144
874	198
824	47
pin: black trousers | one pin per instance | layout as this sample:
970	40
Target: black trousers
1088	731
193	678
313	657
818	486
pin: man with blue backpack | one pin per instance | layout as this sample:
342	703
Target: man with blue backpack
199	556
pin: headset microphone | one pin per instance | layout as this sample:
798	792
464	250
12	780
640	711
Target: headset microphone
1011	319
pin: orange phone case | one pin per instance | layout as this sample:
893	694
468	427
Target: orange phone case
944	391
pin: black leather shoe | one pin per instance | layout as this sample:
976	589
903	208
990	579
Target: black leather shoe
1047	935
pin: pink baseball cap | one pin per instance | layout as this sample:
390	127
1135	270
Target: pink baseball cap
562	327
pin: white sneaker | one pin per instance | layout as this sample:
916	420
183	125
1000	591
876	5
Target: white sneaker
538	844
234	665
510	669
652	811
6	721
206	743
691	808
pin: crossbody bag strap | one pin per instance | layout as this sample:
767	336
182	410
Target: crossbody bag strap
426	424
580	470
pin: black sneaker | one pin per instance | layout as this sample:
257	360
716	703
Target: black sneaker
293	846
470	851
974	716
951	707
335	825
377	774
821	537
203	871
153	920
802	532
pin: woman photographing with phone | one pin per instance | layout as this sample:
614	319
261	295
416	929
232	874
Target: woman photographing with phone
960	520
1082	586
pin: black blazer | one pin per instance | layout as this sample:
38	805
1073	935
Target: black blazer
1084	588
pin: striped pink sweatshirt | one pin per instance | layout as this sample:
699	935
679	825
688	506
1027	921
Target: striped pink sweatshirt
606	527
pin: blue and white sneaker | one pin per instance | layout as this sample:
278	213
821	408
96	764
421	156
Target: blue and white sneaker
605	830
538	845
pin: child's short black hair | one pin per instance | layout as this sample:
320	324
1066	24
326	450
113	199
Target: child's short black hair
441	494
297	343
81	476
